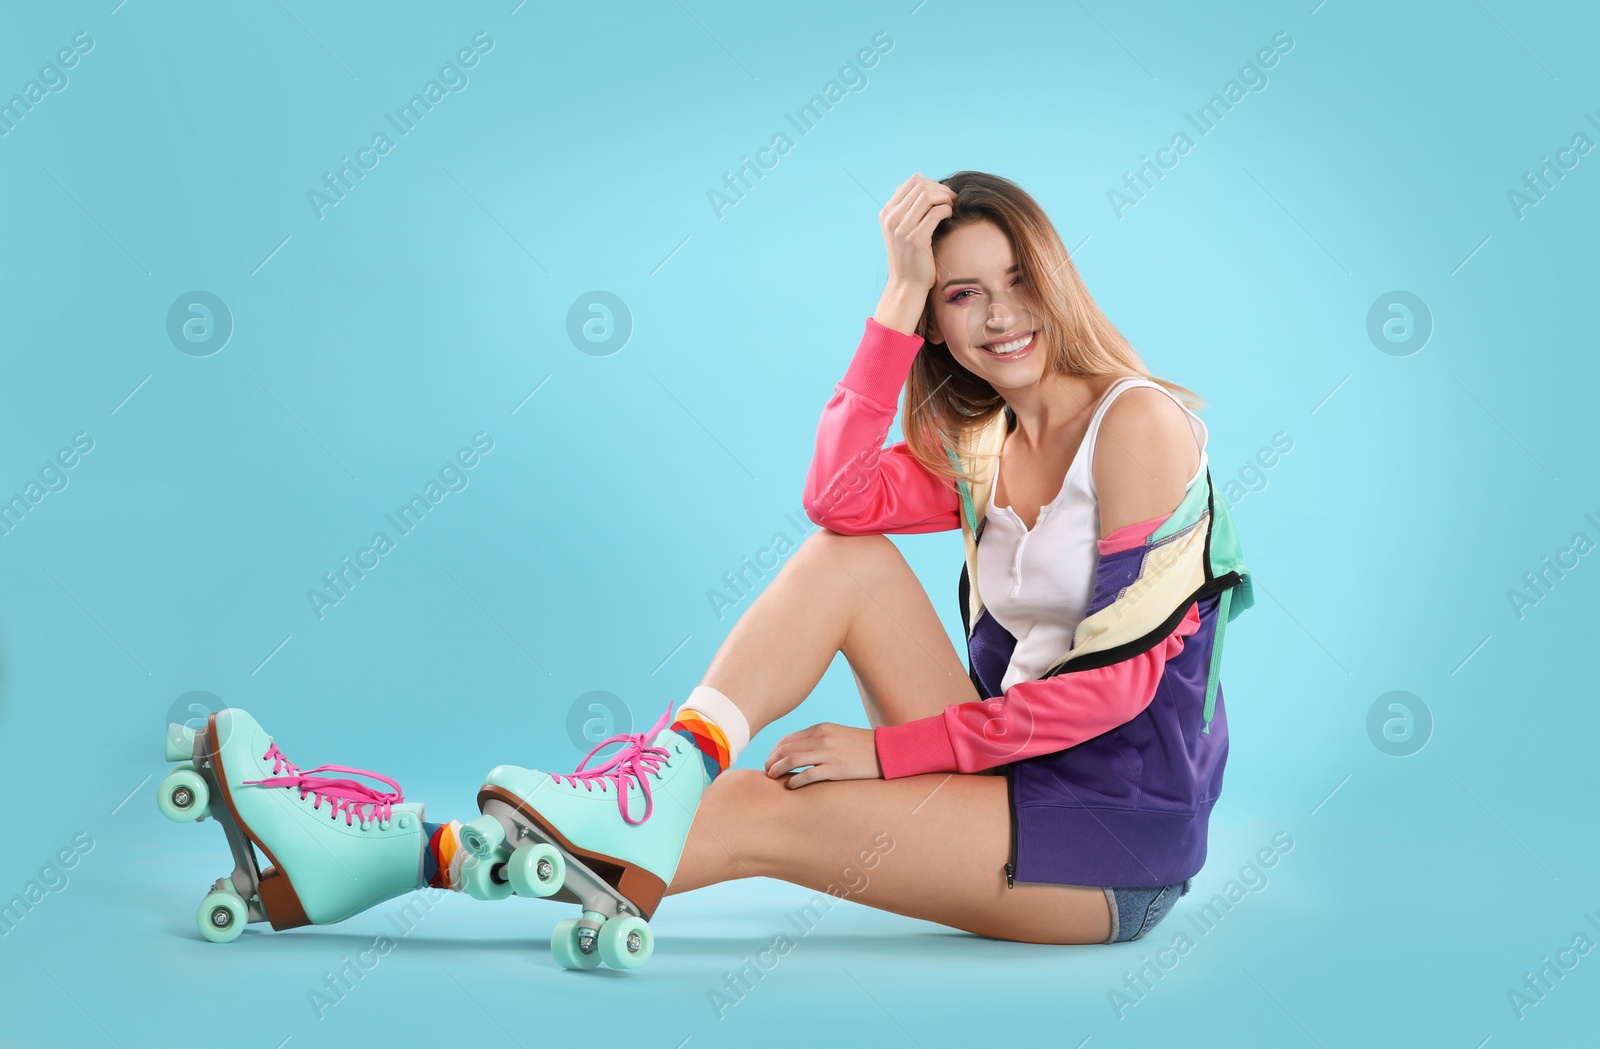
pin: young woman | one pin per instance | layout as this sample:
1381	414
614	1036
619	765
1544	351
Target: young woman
1058	791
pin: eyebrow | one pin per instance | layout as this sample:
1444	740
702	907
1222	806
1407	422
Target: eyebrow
974	280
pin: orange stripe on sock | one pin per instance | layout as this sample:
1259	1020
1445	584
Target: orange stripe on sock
693	720
444	850
710	745
707	735
717	738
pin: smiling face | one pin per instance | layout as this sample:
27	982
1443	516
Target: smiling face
983	309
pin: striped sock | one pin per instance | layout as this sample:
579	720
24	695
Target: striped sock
710	721
711	740
440	857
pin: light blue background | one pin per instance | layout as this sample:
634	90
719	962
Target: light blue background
370	344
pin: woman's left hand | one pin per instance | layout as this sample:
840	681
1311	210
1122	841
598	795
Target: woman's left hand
832	751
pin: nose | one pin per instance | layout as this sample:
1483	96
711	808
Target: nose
999	320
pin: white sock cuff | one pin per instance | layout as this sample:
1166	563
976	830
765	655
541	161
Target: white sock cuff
720	709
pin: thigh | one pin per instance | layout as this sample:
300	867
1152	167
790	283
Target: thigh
932	847
904	664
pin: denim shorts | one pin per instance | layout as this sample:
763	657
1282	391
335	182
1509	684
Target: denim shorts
1135	912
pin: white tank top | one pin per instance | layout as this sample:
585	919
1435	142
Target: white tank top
1038	583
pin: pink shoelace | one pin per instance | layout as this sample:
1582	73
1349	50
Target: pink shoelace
346	795
637	758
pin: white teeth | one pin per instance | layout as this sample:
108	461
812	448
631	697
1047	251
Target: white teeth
1006	348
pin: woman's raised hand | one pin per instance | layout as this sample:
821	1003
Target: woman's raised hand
908	220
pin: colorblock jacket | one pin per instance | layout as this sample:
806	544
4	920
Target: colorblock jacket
1114	755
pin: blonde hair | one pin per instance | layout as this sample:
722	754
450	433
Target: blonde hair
945	403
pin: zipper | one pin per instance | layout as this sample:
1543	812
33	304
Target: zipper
1011	803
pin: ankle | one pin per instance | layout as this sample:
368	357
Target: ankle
442	855
715	725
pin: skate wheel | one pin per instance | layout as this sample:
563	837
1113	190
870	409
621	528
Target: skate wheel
564	944
482	836
183	796
478	876
537	870
222	917
626	942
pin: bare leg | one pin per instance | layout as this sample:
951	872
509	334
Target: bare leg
941	841
930	847
850	594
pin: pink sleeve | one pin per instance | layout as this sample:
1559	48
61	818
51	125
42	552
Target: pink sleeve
855	485
1033	717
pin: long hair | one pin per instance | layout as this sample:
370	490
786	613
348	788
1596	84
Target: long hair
946	403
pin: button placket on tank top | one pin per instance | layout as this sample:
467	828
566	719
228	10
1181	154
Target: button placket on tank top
1024	531
1061	551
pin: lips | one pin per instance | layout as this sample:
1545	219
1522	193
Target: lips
1017	345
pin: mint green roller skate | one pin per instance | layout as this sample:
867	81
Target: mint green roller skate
612	850
336	846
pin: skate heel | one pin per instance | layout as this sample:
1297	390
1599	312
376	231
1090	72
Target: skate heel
280	901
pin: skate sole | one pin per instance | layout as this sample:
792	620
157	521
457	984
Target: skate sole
625	883
279	899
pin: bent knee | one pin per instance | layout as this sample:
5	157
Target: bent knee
826	545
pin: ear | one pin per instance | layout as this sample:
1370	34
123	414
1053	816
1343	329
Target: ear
933	334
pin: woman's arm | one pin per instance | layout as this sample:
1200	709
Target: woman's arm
855	485
1033	717
1143	458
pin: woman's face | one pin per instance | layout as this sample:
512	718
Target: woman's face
981	304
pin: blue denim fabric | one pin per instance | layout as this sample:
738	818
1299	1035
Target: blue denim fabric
1135	912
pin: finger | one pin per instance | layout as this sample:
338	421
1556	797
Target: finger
911	213
894	212
795	760
930	198
786	745
936	190
923	234
814	774
900	193
919	197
